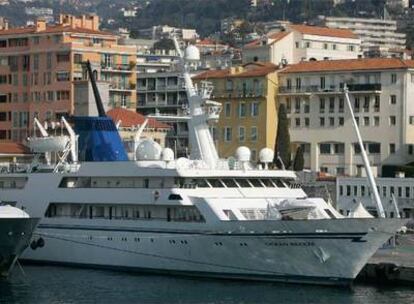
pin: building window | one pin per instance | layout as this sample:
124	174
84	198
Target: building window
393	78
322	121
297	122
63	57
351	48
325	148
49	60
410	149
306	106
356	104
366	103
374	148
341	121
253	134
255	109
288	105
322	82
297	105
297	44
331	104
340	171
325	46
392	148
334	47
227	134
393	99
242	134
366	121
77	58
229	85
227	109
62	76
377	103
298	83
376	121
242	109
339	148
307	122
331	121
308	44
393	121
321	105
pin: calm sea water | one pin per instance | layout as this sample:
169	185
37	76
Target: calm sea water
71	285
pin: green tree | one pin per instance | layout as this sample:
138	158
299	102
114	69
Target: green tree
299	161
282	145
164	44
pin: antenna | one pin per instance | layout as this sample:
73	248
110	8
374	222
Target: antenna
371	178
98	100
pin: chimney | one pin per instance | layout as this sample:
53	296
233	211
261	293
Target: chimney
40	25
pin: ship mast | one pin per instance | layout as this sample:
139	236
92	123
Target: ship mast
201	110
371	179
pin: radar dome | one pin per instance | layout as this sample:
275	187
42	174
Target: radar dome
167	154
266	155
192	53
243	154
148	150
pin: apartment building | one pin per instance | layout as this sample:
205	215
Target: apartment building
381	90
379	38
39	65
303	43
248	95
162	92
351	191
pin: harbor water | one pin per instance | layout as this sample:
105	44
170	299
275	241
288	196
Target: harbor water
46	284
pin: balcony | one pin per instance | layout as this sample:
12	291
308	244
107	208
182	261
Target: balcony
119	68
332	89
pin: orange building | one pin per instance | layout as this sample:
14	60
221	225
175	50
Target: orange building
39	65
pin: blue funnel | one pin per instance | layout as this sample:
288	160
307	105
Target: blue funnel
99	140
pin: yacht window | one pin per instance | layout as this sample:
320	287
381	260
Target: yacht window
329	212
215	183
268	183
175	197
256	183
243	183
201	183
230	183
230	214
279	183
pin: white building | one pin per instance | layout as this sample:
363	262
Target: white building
352	191
164	31
302	43
381	94
377	36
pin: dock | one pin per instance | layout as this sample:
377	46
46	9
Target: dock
391	266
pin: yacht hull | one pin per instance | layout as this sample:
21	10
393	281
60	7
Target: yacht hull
330	252
15	235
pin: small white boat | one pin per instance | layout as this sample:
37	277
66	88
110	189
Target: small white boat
48	144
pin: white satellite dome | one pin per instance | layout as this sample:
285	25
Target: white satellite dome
266	155
243	154
192	53
167	154
7	211
148	150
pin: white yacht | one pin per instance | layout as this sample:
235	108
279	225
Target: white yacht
201	216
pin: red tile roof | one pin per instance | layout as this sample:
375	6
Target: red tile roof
13	148
52	29
349	65
275	37
130	118
322	31
255	69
